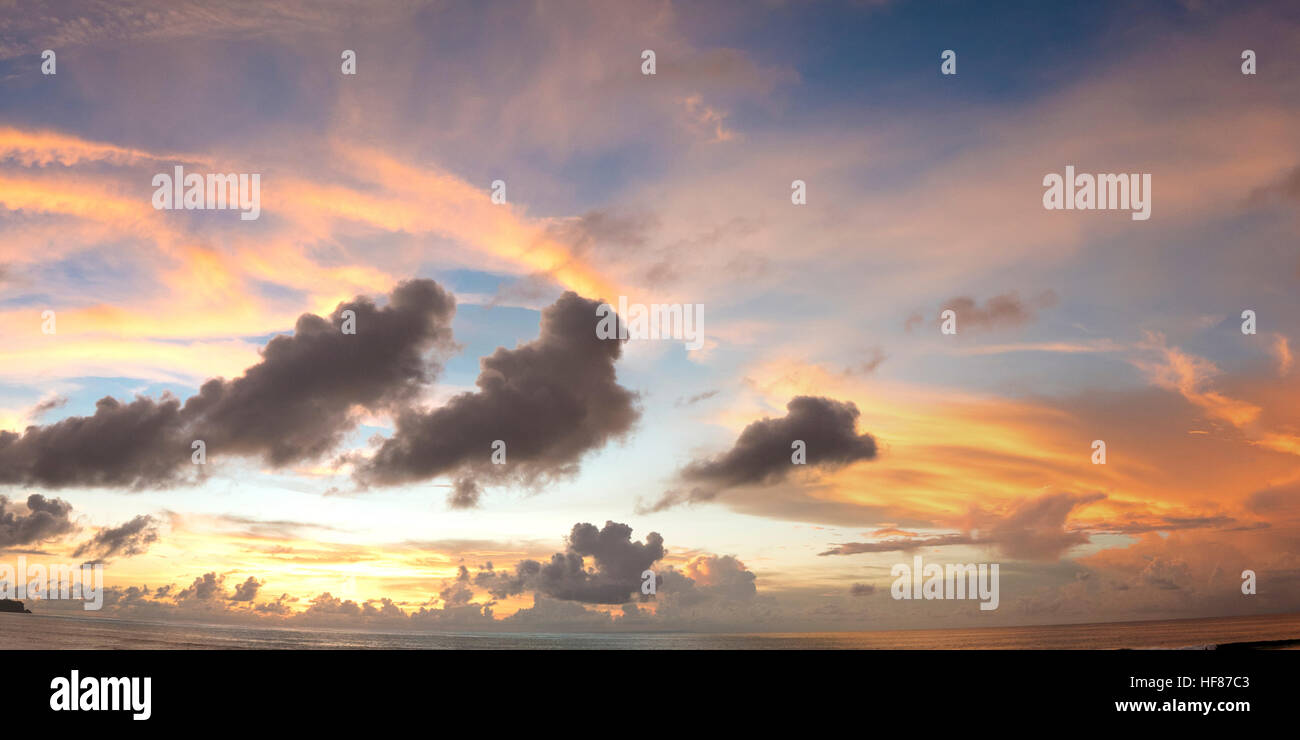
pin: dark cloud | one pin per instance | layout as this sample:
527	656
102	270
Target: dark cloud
46	518
48	405
207	587
465	494
387	609
999	312
129	539
458	593
615	576
762	453
619	562
862	589
329	605
246	591
696	398
503	584
296	404
280	607
550	400
134	445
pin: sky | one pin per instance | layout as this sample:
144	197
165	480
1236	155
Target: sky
349	476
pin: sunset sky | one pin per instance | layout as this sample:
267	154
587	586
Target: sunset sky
349	476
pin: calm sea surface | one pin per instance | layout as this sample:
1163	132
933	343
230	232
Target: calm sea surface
46	632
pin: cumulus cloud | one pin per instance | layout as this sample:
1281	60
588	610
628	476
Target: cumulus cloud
133	444
503	584
127	540
207	587
619	562
762	453
703	579
294	405
613	576
246	591
328	604
46	518
550	401
722	575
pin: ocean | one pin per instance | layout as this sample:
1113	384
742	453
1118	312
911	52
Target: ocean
55	632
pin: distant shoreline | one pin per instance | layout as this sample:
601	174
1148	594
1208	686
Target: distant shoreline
1249	633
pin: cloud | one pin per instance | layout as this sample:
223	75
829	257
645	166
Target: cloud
999	312
246	591
464	494
550	401
618	563
127	540
136	444
503	584
1277	499
328	604
692	400
206	588
1187	374
901	544
294	405
722	575
47	405
876	356
1033	529
46	519
762	453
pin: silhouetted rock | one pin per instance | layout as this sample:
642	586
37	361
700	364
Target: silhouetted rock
9	605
